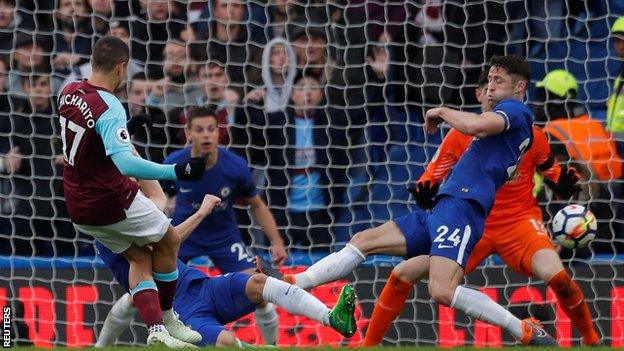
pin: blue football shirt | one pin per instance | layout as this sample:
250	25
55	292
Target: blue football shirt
489	162
229	179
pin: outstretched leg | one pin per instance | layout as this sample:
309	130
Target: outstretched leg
297	301
385	239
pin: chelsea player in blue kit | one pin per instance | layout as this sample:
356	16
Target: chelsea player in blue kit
227	176
208	303
448	233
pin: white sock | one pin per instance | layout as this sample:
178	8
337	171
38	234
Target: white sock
118	319
268	322
330	268
168	316
295	300
480	306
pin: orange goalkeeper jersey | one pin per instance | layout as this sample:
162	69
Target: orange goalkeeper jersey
515	198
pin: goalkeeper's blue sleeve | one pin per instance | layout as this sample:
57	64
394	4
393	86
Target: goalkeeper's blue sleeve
132	166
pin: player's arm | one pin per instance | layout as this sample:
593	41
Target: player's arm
445	158
447	155
265	218
487	123
185	228
151	188
111	126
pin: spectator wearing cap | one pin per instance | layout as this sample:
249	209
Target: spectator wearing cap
582	141
615	104
120	30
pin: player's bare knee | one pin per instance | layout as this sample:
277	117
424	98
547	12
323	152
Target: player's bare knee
169	244
360	240
172	239
401	271
440	293
138	255
225	339
254	287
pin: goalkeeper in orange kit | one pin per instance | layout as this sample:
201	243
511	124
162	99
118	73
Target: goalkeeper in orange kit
514	230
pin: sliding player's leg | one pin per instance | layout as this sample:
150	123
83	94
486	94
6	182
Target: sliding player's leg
234	256
297	301
455	226
389	238
402	278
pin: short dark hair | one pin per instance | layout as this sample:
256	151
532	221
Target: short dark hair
483	77
215	63
108	52
197	112
514	65
136	76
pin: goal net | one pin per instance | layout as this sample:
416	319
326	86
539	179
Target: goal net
325	100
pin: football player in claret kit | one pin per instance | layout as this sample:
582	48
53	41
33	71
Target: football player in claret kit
448	233
207	304
227	176
514	230
105	203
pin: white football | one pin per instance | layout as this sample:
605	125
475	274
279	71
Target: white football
574	226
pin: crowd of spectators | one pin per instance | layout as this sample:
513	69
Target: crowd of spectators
295	84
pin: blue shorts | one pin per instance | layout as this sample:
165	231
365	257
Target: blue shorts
451	229
231	255
455	226
414	229
209	304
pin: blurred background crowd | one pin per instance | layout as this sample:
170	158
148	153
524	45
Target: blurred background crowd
361	73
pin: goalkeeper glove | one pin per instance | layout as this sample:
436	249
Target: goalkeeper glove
137	122
566	186
191	170
424	192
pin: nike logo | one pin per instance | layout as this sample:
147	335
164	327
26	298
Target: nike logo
288	290
541	333
184	191
445	246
